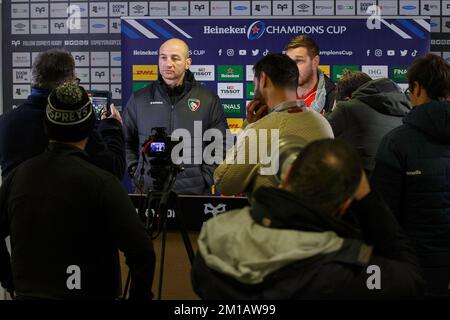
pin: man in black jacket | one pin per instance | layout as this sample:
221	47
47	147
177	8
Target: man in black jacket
175	101
292	244
67	217
314	87
412	170
375	108
22	134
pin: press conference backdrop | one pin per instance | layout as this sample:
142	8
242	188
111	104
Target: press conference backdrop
31	26
224	50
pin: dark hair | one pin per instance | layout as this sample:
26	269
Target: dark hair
281	70
306	42
433	73
52	68
325	174
349	82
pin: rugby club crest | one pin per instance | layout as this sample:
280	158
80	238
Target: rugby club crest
193	104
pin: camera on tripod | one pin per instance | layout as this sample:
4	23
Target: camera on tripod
158	149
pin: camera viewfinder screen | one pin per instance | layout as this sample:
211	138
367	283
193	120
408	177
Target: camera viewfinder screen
158	147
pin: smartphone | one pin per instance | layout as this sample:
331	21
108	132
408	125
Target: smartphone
101	100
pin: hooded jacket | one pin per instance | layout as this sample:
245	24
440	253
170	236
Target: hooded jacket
153	107
326	92
281	249
376	108
412	173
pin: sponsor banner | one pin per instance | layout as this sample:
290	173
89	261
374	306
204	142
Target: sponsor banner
325	70
145	72
230	72
376	72
203	72
249	74
398	73
233	108
250	90
339	70
235	124
226	90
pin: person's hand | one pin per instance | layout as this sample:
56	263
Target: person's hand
114	114
363	188
255	111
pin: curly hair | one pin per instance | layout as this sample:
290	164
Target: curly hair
52	68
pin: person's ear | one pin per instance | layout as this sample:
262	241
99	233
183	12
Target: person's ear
284	177
188	63
316	61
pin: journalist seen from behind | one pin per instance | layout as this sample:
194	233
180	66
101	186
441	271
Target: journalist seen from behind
175	101
292	244
275	109
22	133
412	170
67	218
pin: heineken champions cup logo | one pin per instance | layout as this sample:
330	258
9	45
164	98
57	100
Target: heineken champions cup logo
193	104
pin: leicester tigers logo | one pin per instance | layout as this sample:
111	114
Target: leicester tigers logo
193	104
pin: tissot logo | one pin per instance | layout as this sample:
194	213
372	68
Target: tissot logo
230	90
256	30
203	72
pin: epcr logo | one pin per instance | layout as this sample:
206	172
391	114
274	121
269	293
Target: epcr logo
256	30
211	209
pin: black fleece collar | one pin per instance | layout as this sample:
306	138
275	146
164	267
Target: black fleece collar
276	208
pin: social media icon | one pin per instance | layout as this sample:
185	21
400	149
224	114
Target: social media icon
220	52
230	52
403	53
414	53
368	52
378	53
391	53
255	52
242	52
265	52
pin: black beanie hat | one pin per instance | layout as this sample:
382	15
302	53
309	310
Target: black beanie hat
69	115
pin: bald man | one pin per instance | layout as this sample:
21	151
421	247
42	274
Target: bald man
176	100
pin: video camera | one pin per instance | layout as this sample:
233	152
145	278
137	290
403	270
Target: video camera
158	149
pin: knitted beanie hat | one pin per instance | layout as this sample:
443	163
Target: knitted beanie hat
69	114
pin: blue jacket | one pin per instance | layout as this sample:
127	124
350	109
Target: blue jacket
23	136
412	172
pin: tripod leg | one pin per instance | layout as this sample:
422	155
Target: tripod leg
161	264
182	227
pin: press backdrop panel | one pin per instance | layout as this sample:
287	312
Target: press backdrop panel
224	50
